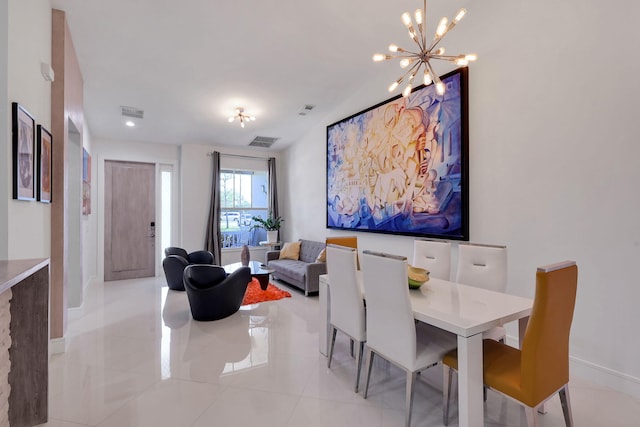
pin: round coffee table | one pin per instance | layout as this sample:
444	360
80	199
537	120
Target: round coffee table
258	270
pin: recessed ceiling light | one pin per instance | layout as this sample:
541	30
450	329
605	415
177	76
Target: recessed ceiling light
130	124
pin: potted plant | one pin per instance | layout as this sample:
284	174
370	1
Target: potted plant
271	224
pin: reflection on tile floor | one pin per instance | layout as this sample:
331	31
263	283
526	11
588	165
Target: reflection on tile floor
137	358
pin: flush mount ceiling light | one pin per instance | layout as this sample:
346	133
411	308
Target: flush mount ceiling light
241	116
420	59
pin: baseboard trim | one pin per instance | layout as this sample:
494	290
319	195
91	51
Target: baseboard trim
604	376
58	345
75	313
598	374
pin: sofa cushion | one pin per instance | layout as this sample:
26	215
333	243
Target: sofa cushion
309	250
294	269
322	256
290	250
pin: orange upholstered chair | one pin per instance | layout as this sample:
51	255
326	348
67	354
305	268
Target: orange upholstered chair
348	241
541	369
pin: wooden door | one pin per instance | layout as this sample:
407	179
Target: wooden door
129	228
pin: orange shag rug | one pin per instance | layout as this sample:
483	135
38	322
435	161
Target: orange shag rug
255	294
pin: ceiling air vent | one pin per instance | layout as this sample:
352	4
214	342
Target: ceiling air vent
306	109
262	141
136	113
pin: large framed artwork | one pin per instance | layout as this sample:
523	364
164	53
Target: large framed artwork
86	182
23	131
401	166
44	164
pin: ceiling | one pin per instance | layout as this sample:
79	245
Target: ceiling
188	64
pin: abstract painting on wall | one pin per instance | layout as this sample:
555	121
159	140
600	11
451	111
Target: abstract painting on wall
86	182
401	166
23	130
44	164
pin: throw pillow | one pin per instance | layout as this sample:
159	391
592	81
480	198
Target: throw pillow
290	250
322	256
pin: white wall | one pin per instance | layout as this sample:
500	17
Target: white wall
553	160
28	44
5	131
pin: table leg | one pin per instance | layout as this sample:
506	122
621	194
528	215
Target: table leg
470	384
522	327
325	318
263	279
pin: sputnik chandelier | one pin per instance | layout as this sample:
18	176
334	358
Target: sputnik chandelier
241	116
416	60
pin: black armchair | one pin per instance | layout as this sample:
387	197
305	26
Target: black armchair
176	259
212	293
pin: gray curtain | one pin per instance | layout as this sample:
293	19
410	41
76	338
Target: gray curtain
213	237
273	187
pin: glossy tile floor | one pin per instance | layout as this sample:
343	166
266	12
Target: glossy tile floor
137	358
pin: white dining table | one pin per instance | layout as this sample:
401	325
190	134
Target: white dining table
464	310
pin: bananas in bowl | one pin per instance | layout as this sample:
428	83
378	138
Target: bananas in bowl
417	276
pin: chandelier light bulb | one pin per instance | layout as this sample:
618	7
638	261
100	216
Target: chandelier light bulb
406	19
442	27
231	119
425	52
460	15
418	16
427	78
381	57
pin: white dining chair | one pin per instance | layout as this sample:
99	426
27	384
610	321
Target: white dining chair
392	332
434	256
347	303
484	266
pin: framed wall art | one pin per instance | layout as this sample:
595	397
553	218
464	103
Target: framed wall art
44	147
401	166
86	182
23	135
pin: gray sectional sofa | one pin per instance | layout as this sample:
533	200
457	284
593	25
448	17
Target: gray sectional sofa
305	271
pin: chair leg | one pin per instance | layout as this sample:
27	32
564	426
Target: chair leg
368	369
333	343
411	378
532	416
566	405
446	393
359	364
351	346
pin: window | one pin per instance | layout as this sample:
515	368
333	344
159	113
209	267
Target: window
166	182
243	195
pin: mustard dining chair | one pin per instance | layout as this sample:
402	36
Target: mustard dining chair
347	303
541	369
347	241
434	256
484	266
392	332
